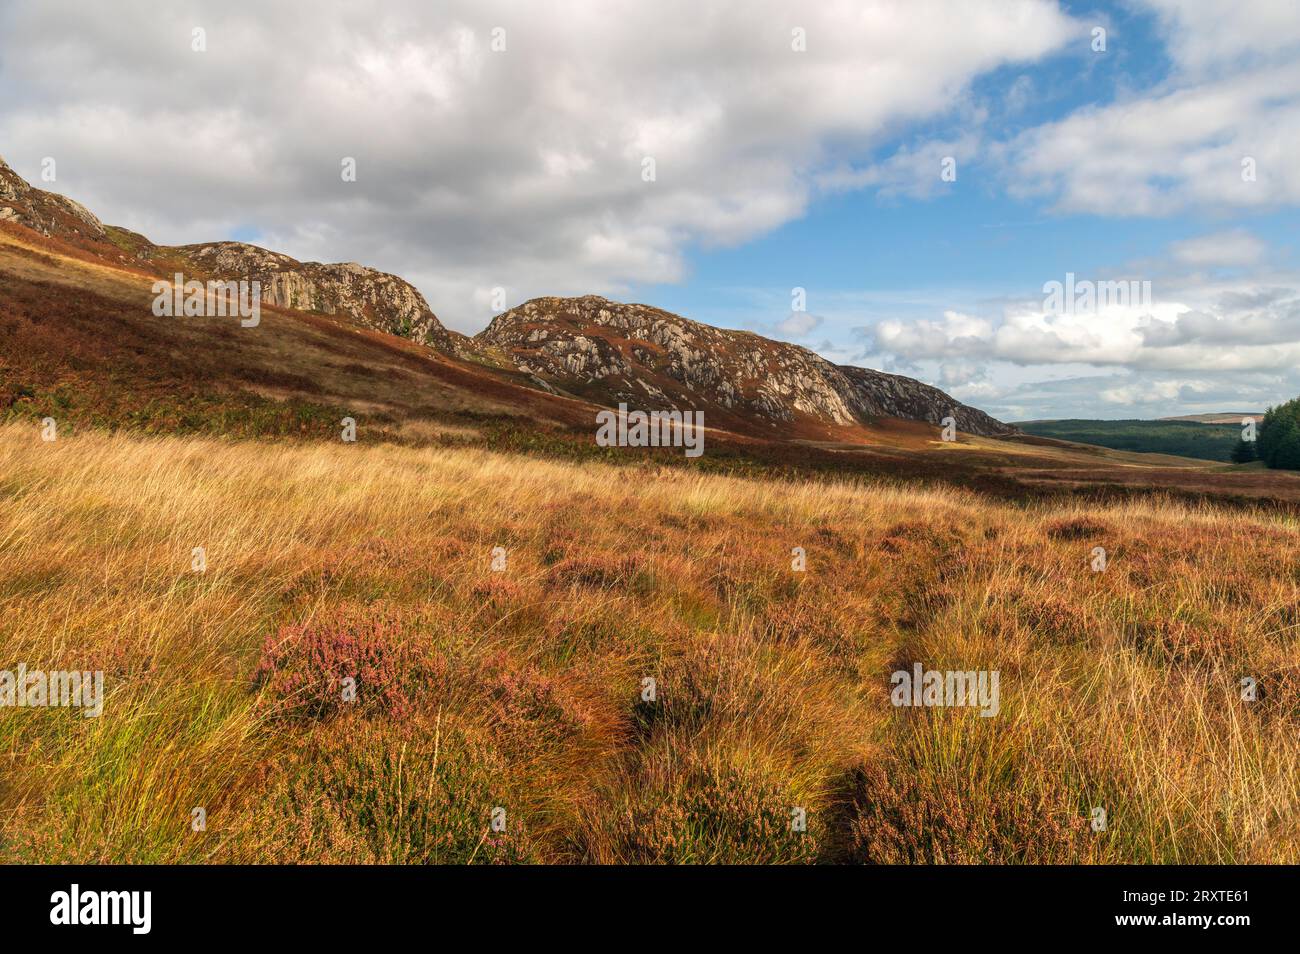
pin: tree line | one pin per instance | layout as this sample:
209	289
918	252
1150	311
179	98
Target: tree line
1277	439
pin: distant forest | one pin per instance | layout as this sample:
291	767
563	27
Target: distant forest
1183	438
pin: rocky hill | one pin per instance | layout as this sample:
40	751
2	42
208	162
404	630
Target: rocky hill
649	358
371	298
879	394
588	347
366	296
48	213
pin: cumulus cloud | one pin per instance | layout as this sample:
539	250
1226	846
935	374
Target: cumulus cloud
1145	392
520	168
954	374
1224	145
956	335
1240	325
1212	34
1221	132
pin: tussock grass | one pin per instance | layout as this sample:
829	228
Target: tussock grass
523	689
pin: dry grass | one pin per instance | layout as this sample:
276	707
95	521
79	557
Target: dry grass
522	688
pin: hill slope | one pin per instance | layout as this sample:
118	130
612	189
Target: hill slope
611	352
601	350
79	342
1183	438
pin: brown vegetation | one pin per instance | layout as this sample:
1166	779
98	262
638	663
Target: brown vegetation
523	689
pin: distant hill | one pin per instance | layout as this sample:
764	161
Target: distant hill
1223	417
1183	437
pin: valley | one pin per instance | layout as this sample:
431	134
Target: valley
564	649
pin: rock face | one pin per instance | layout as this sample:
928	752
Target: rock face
652	359
45	212
592	347
877	394
370	298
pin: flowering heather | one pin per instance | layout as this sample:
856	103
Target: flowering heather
305	668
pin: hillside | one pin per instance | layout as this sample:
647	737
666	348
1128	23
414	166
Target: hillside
523	687
79	343
612	352
601	351
1180	437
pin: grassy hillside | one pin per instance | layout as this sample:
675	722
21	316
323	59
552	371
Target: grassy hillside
1181	438
523	689
79	343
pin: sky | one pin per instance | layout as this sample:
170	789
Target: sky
892	184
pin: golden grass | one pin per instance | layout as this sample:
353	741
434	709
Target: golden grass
1119	689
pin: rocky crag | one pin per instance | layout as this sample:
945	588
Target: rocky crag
651	359
587	346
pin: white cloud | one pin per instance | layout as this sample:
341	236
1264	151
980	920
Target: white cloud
1229	111
1210	34
1236	247
959	373
1148	392
956	335
475	168
1240	324
1158	155
798	324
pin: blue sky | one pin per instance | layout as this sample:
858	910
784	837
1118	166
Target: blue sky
502	146
866	256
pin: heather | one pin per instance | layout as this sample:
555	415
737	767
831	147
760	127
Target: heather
524	688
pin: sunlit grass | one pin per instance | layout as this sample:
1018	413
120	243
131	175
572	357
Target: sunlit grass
1119	689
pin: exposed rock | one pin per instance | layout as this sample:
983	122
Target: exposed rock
49	213
590	346
371	298
657	360
877	394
